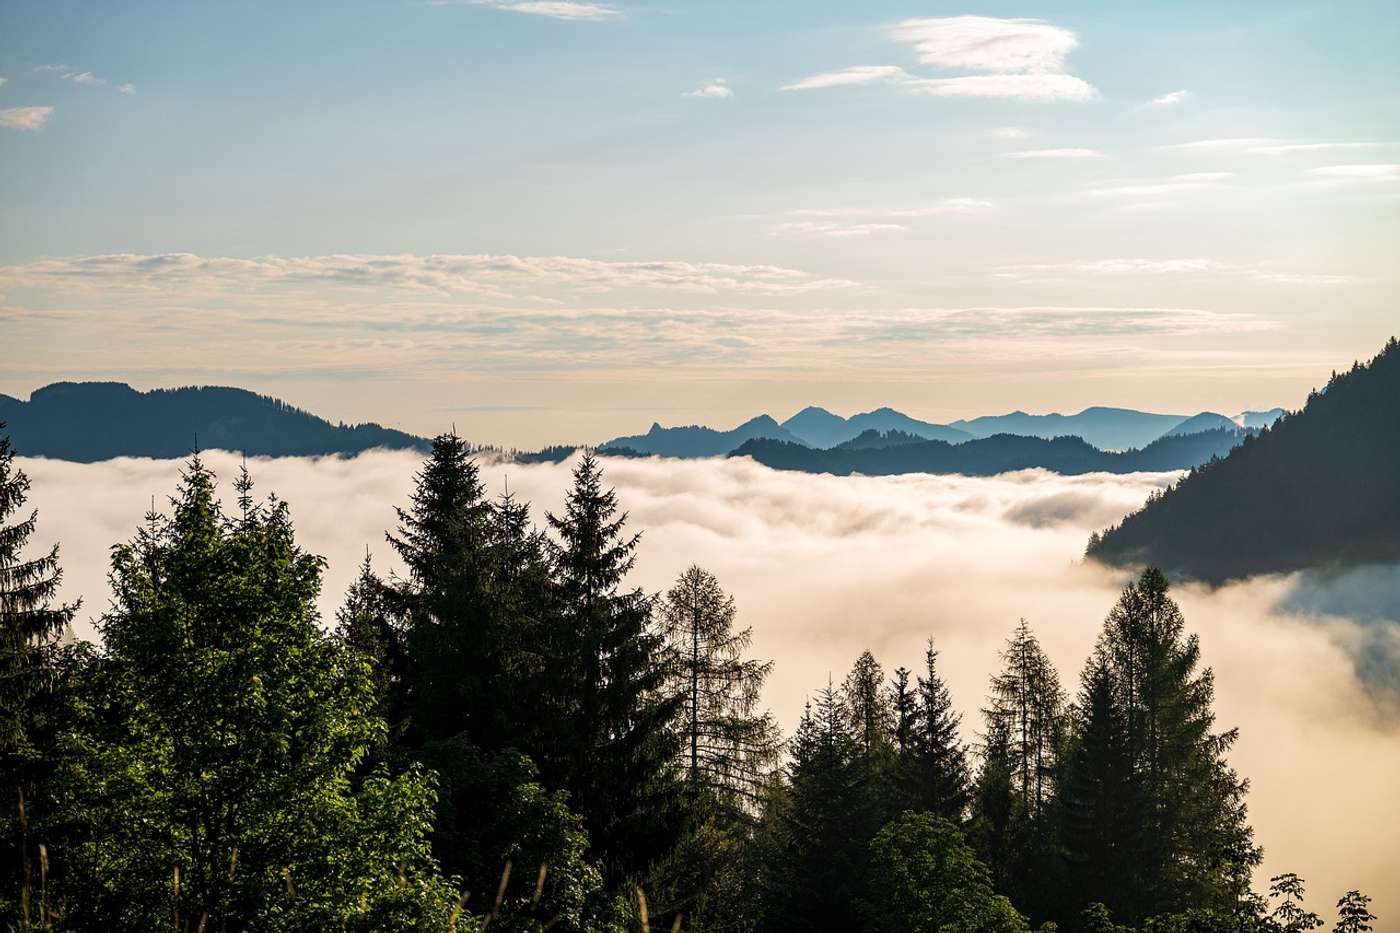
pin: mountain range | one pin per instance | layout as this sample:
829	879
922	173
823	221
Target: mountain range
90	421
1105	428
873	454
1319	488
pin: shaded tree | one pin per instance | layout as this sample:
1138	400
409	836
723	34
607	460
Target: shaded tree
933	771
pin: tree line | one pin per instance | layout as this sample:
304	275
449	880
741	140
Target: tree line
508	736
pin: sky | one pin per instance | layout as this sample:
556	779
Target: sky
556	221
884	564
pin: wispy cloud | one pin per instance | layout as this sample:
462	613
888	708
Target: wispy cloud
1020	59
485	275
933	209
718	87
1056	154
128	89
1170	99
554	9
1357	173
1189	267
834	229
85	78
1172	184
25	118
1009	132
1265	145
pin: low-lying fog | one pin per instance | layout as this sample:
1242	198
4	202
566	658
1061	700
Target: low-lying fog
823	567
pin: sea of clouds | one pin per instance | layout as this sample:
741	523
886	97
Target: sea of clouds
824	567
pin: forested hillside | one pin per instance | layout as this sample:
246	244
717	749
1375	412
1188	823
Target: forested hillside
1318	489
509	736
886	455
88	421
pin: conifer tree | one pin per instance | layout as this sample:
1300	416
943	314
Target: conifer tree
1289	915
1186	804
1028	705
1353	910
934	775
365	623
728	743
614	745
1096	798
867	705
820	826
208	773
30	619
31	623
443	608
902	704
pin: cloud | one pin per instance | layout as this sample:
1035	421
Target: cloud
852	76
832	229
1009	132
1265	145
825	567
554	9
1056	154
1021	59
981	43
1171	99
86	78
1170	185
934	209
127	89
25	118
445	274
719	87
1119	267
1357	173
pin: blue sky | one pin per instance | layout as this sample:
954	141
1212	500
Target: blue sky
555	220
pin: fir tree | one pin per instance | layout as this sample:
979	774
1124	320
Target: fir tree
872	719
1353	910
902	704
614	744
365	623
1028	705
934	775
1187	804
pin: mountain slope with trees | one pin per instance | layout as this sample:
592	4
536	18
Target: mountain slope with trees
90	421
699	441
1318	489
988	456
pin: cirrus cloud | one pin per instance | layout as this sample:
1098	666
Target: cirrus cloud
25	118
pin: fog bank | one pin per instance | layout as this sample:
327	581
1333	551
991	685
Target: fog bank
824	567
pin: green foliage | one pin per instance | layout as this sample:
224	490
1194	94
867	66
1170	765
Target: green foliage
206	772
1354	912
924	877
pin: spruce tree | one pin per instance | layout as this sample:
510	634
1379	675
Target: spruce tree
367	626
30	619
1027	701
1186	803
867	705
614	743
31	623
933	770
1354	911
902	704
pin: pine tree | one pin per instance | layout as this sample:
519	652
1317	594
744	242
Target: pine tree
728	743
614	744
934	775
1187	804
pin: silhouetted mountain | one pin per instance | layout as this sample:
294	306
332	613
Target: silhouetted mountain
875	440
997	454
88	421
1259	419
817	427
1105	428
1205	421
1318	489
697	440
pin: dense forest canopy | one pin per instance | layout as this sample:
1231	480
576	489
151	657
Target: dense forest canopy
507	735
1318	489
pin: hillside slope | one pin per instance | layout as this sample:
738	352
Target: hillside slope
89	421
697	440
1320	488
1105	428
989	456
